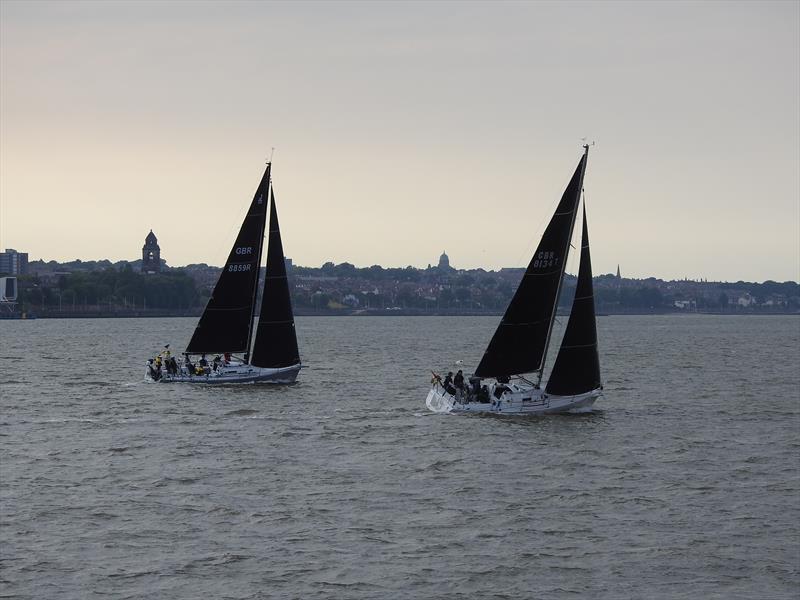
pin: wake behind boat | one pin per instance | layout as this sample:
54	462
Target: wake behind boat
519	346
242	352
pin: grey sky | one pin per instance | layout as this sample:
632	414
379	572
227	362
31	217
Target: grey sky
405	129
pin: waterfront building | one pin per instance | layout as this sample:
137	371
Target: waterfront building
13	262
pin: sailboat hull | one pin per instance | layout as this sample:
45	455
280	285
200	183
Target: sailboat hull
232	374
515	400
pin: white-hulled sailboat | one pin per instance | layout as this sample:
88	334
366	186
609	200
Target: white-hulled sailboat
227	346
508	378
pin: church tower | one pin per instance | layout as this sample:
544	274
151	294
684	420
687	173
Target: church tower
444	262
151	254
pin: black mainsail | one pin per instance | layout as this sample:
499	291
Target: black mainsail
275	342
520	343
227	320
577	366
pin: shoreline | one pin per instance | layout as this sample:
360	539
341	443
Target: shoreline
166	314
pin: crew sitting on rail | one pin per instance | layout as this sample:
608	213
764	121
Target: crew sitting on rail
448	384
172	365
501	386
483	395
474	385
458	381
187	362
216	362
475	392
155	374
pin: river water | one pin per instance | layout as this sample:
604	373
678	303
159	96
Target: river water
684	482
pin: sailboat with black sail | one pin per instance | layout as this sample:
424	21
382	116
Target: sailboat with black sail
509	376
227	345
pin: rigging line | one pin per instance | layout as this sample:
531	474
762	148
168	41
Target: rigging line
574	258
538	232
232	233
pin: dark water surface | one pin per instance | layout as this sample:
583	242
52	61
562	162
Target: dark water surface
685	483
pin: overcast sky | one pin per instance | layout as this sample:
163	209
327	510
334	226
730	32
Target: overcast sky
405	129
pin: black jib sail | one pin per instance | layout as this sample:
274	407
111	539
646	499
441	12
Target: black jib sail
520	343
226	322
577	366
275	341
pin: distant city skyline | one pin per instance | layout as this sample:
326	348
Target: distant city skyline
618	271
402	129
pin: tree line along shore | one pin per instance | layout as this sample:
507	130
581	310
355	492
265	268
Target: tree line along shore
103	289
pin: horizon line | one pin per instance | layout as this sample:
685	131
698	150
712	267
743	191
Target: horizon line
431	266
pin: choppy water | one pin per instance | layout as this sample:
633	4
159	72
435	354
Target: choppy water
685	483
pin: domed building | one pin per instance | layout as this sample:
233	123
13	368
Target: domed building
444	262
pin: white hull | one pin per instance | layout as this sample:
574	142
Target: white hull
237	373
515	400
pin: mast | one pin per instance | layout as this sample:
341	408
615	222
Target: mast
258	270
563	269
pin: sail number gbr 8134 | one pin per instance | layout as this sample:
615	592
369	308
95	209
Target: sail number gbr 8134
545	259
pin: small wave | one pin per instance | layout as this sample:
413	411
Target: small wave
120	449
173	480
440	465
225	559
131	575
242	412
104	515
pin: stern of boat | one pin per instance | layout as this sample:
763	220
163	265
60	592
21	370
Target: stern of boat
439	402
148	377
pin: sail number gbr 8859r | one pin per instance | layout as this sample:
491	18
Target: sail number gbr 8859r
242	251
239	267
